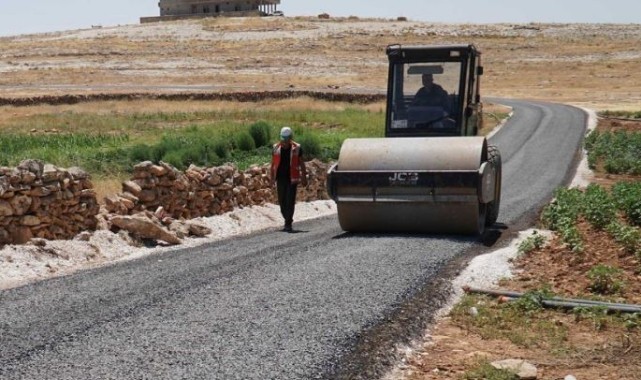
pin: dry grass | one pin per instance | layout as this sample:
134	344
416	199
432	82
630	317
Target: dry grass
107	186
11	116
586	65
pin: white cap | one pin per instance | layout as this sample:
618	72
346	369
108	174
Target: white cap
286	133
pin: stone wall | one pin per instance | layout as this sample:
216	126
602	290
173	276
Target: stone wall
201	192
43	201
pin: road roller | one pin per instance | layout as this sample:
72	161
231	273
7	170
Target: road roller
432	173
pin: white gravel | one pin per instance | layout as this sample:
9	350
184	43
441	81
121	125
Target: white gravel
22	264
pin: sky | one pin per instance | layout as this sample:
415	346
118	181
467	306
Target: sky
34	16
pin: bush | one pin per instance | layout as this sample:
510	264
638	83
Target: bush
174	158
221	149
261	133
311	145
141	152
244	142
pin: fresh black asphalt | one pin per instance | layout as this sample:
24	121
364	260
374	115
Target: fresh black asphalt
313	304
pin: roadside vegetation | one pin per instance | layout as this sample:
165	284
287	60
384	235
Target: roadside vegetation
109	144
595	255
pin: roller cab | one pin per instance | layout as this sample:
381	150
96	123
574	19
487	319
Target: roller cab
431	174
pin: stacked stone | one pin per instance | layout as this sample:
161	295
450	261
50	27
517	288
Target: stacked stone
43	201
200	192
316	187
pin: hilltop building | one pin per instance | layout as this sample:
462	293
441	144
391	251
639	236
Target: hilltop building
186	9
215	7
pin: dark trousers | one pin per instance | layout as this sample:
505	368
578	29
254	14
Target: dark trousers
286	199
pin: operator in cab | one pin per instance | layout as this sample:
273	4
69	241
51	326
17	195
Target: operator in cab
431	94
287	171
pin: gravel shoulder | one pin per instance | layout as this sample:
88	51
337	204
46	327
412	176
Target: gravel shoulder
23	264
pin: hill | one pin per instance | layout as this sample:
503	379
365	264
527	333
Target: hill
590	64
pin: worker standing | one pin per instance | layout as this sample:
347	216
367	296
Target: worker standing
287	171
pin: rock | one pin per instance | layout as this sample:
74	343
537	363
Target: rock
5	208
198	230
50	173
147	196
4	236
34	166
158	170
143	166
129	205
5	185
131	187
569	377
28	177
179	228
160	213
145	228
38	242
21	235
83	236
77	173
522	369
129	196
103	224
39	191
30	221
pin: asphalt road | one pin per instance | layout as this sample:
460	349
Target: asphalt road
314	304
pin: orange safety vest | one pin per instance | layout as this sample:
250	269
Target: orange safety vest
294	164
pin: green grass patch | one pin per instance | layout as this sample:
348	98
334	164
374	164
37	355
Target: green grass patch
622	114
110	144
521	322
483	370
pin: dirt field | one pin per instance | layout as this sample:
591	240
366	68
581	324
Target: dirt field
592	65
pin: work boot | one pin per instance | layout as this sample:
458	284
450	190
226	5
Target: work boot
288	227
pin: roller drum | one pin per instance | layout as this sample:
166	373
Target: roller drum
414	185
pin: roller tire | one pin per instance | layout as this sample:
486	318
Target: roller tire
494	158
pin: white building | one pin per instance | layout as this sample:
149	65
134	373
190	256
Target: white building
215	7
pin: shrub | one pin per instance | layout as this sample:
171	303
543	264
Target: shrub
197	155
244	141
261	133
221	149
174	158
310	144
141	152
605	279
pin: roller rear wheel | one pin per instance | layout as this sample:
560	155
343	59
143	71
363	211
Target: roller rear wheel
494	158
